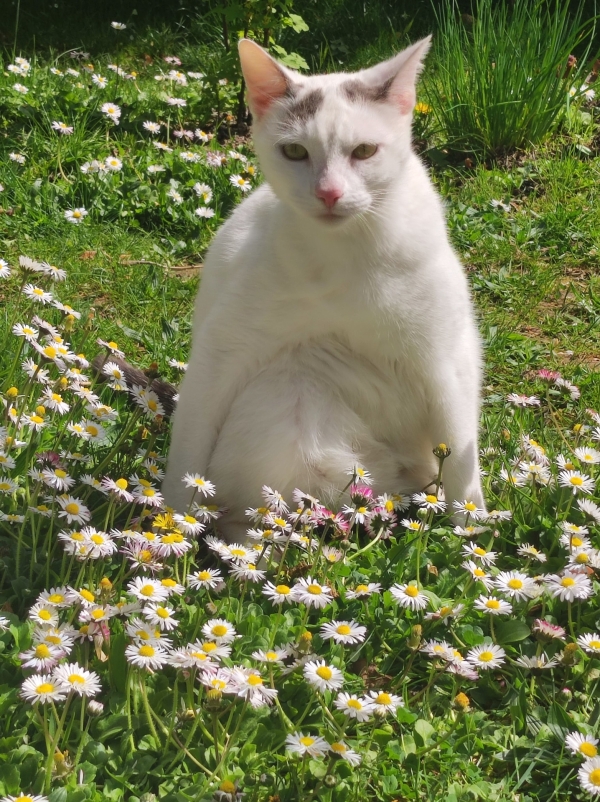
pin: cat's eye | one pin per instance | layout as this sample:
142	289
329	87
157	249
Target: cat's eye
364	151
295	152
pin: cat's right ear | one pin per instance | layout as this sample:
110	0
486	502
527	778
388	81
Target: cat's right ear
266	80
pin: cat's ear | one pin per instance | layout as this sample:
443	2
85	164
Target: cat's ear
266	80
396	78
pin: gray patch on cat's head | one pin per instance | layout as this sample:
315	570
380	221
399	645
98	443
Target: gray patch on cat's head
357	90
307	106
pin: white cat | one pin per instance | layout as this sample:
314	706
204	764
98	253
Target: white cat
333	326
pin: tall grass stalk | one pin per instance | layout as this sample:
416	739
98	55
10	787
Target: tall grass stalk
503	74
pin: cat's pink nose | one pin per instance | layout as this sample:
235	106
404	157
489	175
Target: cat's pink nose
329	196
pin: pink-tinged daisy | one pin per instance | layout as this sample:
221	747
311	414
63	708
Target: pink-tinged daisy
41	657
250	686
486	656
353	707
518	400
546	631
300	744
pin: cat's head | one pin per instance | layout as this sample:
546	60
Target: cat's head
332	145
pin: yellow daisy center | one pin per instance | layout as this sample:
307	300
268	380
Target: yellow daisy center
412	591
227	787
45	615
567	581
314	590
515	584
254	680
121	484
478	550
362	589
340	749
97	539
146	651
383	699
354	704
324	672
219	630
271	655
576	480
56	598
76	679
147	590
431	499
307	741
72	508
486	656
594	644
45	687
594	777
588	749
42	651
87	595
492	604
162	612
343	629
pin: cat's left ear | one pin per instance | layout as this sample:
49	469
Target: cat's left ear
396	78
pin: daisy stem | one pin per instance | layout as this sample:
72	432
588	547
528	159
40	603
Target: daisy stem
118	443
492	630
128	708
148	711
369	546
570	618
54	742
82	741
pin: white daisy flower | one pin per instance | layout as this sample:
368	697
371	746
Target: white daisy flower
146	656
207	578
409	596
470	509
493	606
241	183
219	630
523	400
247	572
363	591
539	662
589	776
41	657
73	510
498	515
516	584
250	686
429	501
75	215
77	680
152	127
199	483
62	128
384	703
479	553
176	101
271	656
486	656
113	164
589	508
42	688
590	643
323	677
576	481
590	456
309	592
531	553
343	632
99	81
343	751
359	709
300	744
160	615
147	590
570	586
278	594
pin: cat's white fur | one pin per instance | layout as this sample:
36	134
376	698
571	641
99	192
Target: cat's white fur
326	334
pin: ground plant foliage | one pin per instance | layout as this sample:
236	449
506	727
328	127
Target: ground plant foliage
391	648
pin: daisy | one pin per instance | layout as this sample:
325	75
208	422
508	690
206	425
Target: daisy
176	101
62	128
216	651
142	632
113	164
445	613
493	606
439	649
118	26
589	776
77	680
429	501
75	215
99	81
37	294
250	686
590	456
311	593
203	191
576	481
178	364
102	545
409	596
199	133
486	656
57	478
539	662
278	594
353	707
590	643
589	508
470	509
152	127
160	615
118	487
112	111
199	483
148	496
146	656
340	749
523	400
473	550
147	400
570	586
272	656
241	183
546	631
299	744
247	572
526	550
8	485
97	613
415	526
363	591
21	89
384	703
41	657
343	632
175	196
42	688
57	597
173	587
219	630
207	578
516	584
5	272
498	515
17	157
323	677
147	590
73	510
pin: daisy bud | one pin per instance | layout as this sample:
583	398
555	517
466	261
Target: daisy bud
442	451
344	544
462	702
213	699
330	781
105	583
186	715
69	322
12	392
305	642
431	569
422	512
95	708
211	608
41	410
414	639
148	797
569	655
567	694
505	434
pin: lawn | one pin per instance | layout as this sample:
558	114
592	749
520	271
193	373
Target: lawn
374	651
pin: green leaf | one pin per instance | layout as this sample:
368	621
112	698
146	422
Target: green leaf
296	22
512	631
118	663
424	730
58	795
10	779
558	721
